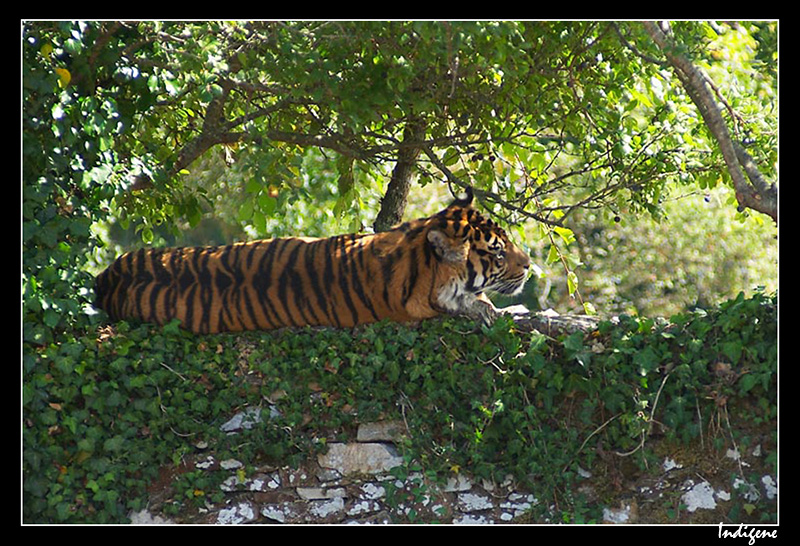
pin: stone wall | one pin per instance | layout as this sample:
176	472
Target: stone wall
354	483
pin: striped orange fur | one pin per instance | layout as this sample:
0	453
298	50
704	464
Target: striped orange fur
418	270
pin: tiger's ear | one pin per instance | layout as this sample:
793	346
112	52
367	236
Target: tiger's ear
452	250
466	201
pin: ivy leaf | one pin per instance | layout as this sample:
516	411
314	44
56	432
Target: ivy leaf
732	350
51	317
646	360
114	444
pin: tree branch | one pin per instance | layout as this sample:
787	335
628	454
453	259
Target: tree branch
453	179
756	194
552	324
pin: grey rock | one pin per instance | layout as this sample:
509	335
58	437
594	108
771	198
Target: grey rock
285	512
242	512
360	458
699	496
325	509
459	483
471	502
381	431
243	420
320	493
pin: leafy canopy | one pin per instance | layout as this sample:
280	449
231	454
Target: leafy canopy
542	118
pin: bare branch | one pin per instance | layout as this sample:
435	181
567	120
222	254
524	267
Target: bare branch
453	179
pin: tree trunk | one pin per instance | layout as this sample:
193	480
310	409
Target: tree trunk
758	194
393	203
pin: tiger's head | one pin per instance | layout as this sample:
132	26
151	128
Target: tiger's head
479	251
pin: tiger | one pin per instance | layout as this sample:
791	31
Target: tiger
420	269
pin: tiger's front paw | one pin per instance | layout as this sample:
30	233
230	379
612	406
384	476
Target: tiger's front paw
515	310
487	313
482	310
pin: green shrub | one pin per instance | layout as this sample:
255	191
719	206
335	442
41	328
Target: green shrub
103	414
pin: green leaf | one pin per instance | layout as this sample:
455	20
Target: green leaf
245	211
267	203
259	221
552	255
572	283
147	235
114	444
566	234
747	382
641	97
647	360
732	350
52	317
253	186
28	393
573	343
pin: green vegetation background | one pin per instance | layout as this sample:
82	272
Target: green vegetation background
104	415
103	408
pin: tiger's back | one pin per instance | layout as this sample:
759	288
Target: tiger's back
418	270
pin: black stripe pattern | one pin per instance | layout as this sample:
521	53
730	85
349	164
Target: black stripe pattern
418	270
